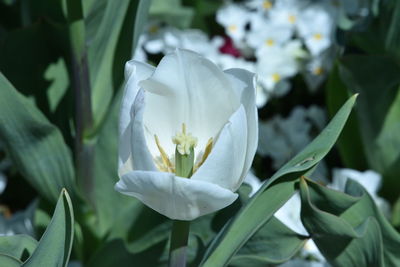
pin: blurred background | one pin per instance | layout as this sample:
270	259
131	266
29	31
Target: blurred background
66	59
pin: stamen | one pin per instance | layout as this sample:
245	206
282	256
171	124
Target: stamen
184	141
207	152
164	157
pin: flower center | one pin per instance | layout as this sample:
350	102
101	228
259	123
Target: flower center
269	42
318	71
292	19
317	36
232	28
267	4
185	143
276	77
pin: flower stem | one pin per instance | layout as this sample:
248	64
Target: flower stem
179	241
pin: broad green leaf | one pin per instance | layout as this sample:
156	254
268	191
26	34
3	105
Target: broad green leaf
115	253
377	80
106	199
361	233
274	243
349	144
35	145
107	55
274	193
18	246
9	261
172	12
355	245
55	246
392	42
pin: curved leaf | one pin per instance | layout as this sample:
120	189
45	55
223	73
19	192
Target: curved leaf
274	243
17	246
54	247
36	147
362	235
275	193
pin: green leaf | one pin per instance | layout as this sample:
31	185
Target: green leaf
19	247
274	243
361	233
172	12
392	42
349	143
35	145
54	247
377	80
105	176
274	193
113	44
9	261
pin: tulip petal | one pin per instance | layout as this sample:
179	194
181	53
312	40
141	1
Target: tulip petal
224	165
244	83
187	88
141	157
175	197
134	72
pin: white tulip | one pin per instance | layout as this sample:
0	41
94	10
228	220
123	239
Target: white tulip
186	104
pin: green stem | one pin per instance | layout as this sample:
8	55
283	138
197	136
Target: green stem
179	242
84	150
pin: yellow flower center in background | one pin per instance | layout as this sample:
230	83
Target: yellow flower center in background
267	4
276	77
292	19
317	36
153	29
269	42
232	28
318	71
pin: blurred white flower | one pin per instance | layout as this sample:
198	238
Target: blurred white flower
276	64
268	35
139	53
318	67
154	37
286	12
234	19
185	92
253	181
316	26
261	6
282	139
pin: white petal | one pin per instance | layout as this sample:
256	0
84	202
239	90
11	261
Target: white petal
134	72
224	165
186	88
141	156
175	197
245	84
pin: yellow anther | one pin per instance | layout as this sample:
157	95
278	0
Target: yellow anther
317	36
184	141
167	165
318	71
232	28
207	152
153	29
267	4
269	42
292	19
276	77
